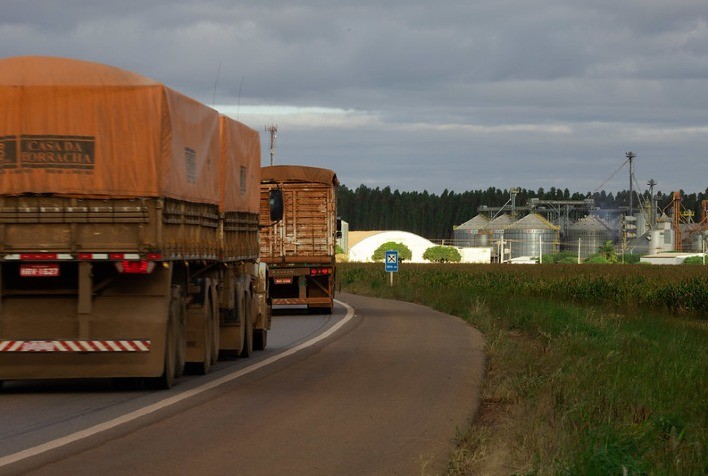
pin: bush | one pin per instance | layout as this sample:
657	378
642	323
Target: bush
631	259
404	253
562	257
597	259
694	260
442	254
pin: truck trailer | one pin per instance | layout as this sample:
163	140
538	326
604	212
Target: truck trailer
300	249
129	221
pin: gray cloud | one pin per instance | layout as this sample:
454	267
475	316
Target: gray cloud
453	95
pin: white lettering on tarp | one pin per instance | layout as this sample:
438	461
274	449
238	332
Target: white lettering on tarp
58	152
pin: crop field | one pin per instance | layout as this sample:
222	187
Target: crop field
592	369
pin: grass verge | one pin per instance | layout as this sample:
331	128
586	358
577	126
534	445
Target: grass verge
573	388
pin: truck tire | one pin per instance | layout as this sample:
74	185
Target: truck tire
167	379
204	367
247	349
260	339
178	311
215	329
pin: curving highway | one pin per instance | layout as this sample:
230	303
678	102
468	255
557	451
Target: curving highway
378	387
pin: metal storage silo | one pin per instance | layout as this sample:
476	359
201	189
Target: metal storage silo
700	241
532	235
592	232
465	235
493	231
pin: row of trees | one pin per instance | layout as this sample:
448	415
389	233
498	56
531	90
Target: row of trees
436	254
434	216
606	254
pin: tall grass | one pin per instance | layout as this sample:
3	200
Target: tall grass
595	372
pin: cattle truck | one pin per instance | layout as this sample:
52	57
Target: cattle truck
129	243
300	249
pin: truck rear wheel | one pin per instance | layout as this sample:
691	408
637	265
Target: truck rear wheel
247	349
215	332
204	367
260	339
167	379
178	312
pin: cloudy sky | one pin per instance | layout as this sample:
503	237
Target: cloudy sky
455	95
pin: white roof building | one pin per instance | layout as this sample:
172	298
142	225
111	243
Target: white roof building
364	243
362	250
667	258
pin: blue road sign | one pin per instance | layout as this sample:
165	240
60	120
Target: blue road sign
391	261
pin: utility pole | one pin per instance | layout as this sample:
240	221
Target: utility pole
652	205
630	156
273	129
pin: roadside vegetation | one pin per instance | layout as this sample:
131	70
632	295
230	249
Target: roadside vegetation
591	369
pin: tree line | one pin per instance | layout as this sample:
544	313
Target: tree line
434	216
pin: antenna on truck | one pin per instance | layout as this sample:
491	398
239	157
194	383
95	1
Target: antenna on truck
273	129
216	81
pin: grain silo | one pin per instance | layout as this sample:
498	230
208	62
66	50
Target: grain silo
466	235
590	233
493	231
530	236
700	241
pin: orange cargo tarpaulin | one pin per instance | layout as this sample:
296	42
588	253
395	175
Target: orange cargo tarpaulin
73	127
298	173
241	166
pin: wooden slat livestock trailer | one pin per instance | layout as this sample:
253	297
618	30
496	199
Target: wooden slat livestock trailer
300	249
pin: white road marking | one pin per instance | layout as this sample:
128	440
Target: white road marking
128	417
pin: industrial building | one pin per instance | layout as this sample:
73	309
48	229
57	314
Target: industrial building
577	226
524	233
364	243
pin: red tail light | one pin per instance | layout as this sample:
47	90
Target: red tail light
320	271
135	267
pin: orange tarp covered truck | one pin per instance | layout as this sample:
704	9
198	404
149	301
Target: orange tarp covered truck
300	249
128	226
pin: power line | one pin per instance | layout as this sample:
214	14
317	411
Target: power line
610	177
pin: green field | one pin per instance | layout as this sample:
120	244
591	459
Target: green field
591	369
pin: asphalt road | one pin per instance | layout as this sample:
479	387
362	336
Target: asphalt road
385	394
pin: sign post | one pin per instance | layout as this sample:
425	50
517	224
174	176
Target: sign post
391	263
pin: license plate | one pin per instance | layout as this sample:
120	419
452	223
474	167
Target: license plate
39	270
283	280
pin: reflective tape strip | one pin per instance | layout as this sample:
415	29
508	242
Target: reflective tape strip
61	346
114	346
9	346
73	346
81	256
39	257
144	346
98	346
